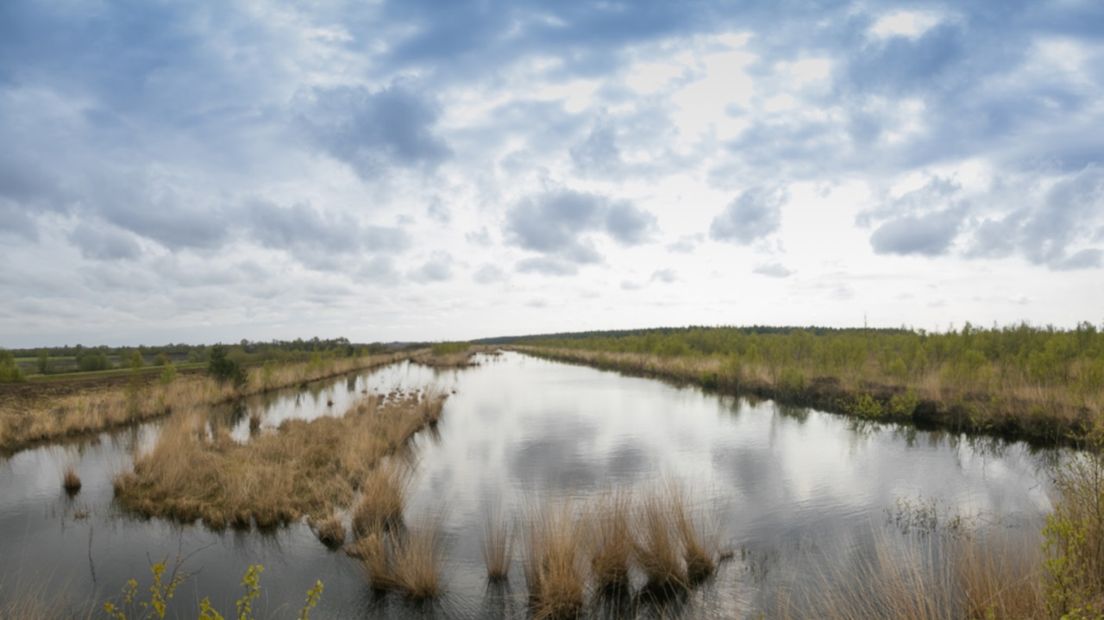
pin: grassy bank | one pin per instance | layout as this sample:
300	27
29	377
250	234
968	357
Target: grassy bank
33	413
307	468
1042	385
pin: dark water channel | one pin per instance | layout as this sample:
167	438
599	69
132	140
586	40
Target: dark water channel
793	491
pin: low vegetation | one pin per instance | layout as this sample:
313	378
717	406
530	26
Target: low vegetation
70	481
155	601
1041	384
1058	575
498	547
405	561
448	355
554	564
46	416
304	468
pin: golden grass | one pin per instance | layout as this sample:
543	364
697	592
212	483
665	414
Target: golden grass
330	531
698	544
554	562
383	495
70	481
498	547
305	468
404	561
926	580
612	545
102	406
658	551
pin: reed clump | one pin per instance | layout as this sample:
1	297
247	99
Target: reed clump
383	496
70	481
304	468
929	579
498	547
658	551
330	531
554	564
612	543
403	561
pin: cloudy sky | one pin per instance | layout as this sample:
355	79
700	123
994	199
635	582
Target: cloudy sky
206	170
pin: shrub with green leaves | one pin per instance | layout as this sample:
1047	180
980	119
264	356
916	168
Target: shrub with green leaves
225	370
9	370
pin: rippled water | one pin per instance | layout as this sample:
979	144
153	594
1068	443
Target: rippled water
792	490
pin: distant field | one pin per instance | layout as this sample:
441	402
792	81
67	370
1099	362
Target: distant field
113	372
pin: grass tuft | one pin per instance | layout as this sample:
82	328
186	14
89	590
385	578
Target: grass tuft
498	544
330	531
71	482
553	565
383	496
407	561
612	543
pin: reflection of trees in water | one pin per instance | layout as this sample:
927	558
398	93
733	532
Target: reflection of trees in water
793	412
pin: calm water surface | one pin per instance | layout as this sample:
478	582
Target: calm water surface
793	491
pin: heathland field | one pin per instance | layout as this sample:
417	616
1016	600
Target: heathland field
712	475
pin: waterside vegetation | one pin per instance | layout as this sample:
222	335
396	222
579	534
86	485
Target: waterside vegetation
52	414
1040	384
303	468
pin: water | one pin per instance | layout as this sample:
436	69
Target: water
789	489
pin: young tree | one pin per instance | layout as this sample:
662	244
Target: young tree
224	369
9	370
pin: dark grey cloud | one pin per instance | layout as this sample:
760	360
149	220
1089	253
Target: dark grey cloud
104	242
754	214
374	130
561	223
628	224
317	239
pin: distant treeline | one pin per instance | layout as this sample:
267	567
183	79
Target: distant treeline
1021	353
15	363
676	331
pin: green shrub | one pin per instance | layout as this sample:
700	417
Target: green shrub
225	370
9	370
90	362
903	404
866	406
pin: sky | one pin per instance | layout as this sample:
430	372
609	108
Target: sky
210	170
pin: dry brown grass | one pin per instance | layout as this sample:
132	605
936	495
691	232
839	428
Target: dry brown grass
658	551
698	546
330	531
383	495
498	547
929	580
404	561
612	542
97	407
554	562
70	481
305	468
